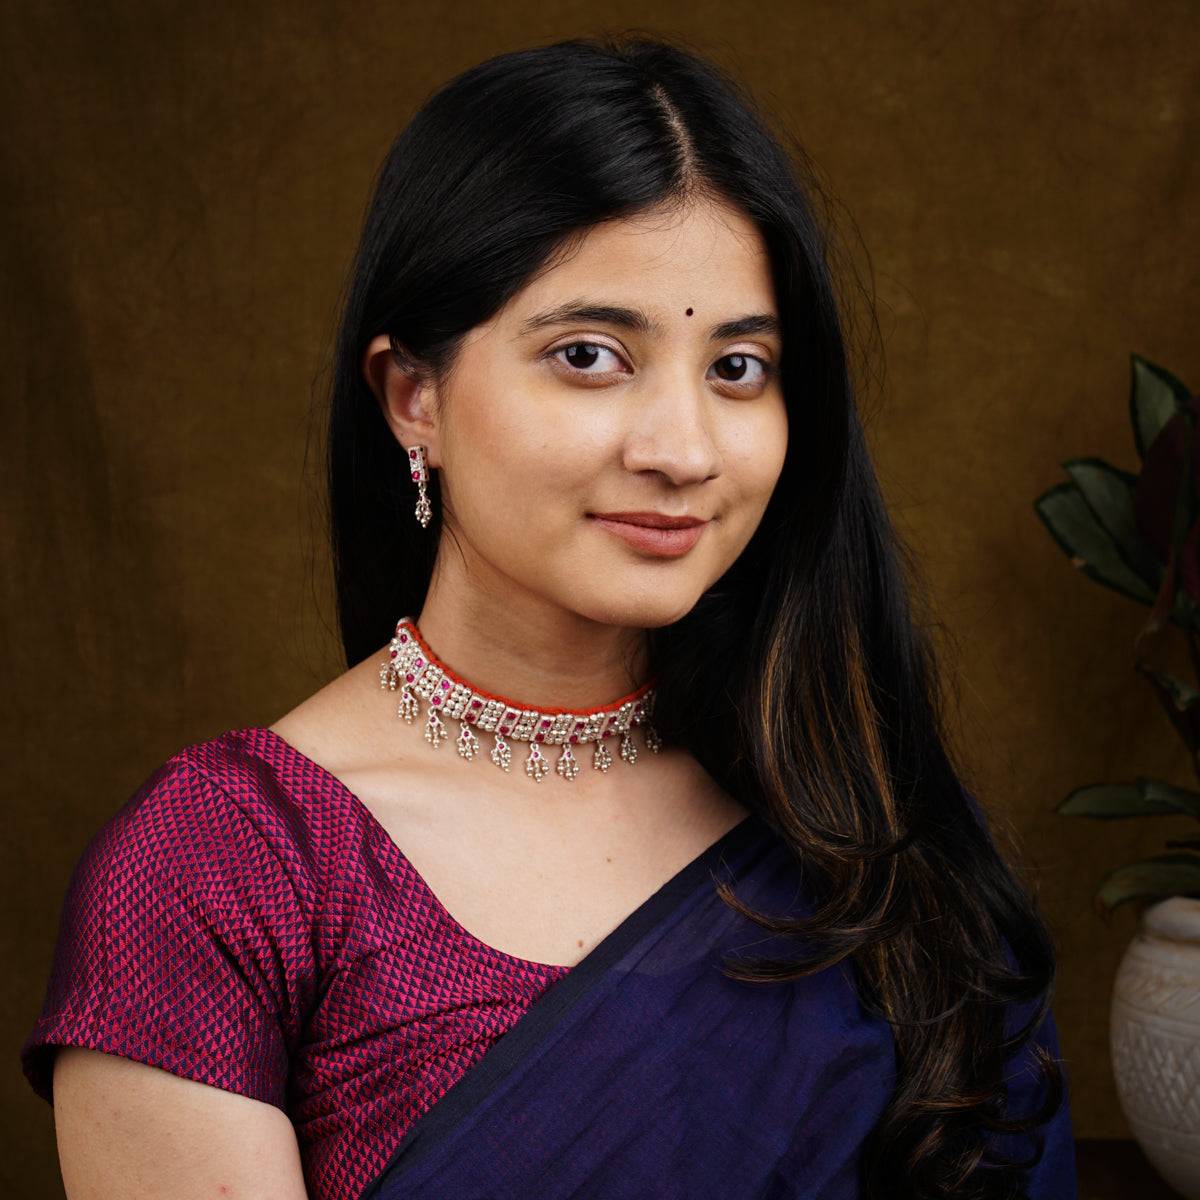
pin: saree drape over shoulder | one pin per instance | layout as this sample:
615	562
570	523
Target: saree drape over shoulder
244	921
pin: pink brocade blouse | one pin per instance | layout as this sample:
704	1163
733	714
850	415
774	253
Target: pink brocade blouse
245	921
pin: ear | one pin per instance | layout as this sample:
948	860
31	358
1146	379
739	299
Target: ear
405	400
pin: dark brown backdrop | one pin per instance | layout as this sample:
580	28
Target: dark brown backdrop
183	187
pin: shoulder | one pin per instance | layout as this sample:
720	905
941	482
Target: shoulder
344	723
221	815
186	934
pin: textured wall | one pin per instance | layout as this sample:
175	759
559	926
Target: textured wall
183	186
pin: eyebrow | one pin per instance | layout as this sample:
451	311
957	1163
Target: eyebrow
637	321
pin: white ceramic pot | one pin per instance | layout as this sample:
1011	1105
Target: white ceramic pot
1155	1039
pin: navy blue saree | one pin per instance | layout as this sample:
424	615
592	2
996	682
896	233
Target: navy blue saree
646	1072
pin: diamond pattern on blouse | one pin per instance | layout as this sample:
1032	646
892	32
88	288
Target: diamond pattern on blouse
243	920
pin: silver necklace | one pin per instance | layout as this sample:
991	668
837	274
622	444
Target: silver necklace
412	668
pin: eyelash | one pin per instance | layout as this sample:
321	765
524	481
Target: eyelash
768	368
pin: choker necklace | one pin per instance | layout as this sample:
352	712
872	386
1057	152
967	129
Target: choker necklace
412	667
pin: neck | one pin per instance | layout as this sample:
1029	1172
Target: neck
530	651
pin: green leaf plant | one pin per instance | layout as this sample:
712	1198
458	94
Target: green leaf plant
1139	534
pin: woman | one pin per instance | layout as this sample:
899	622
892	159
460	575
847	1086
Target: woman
697	905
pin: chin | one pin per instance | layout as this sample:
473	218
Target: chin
654	610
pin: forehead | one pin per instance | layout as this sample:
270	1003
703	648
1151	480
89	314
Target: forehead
707	255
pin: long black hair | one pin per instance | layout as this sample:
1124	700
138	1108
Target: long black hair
807	680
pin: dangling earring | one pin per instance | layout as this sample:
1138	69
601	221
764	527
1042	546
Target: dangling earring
416	460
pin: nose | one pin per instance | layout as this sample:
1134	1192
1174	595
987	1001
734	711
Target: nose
671	432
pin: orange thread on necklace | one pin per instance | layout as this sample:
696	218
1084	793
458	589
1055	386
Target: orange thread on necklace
579	712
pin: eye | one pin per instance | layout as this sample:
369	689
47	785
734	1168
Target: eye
581	356
740	371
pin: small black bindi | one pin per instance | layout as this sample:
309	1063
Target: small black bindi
689	312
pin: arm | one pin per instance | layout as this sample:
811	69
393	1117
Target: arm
181	976
128	1131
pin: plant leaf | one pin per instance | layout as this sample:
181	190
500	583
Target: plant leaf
1186	613
1155	395
1142	798
1179	701
1154	472
1182	799
1073	525
1182	695
1158	876
1108	492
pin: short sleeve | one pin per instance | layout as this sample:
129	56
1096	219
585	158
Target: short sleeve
181	944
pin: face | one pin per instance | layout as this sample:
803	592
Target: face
643	405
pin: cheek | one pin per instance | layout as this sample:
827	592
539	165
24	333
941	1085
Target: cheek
754	456
513	473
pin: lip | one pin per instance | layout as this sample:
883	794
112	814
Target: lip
667	537
650	518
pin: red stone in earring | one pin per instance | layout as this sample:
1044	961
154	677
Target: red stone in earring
416	461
